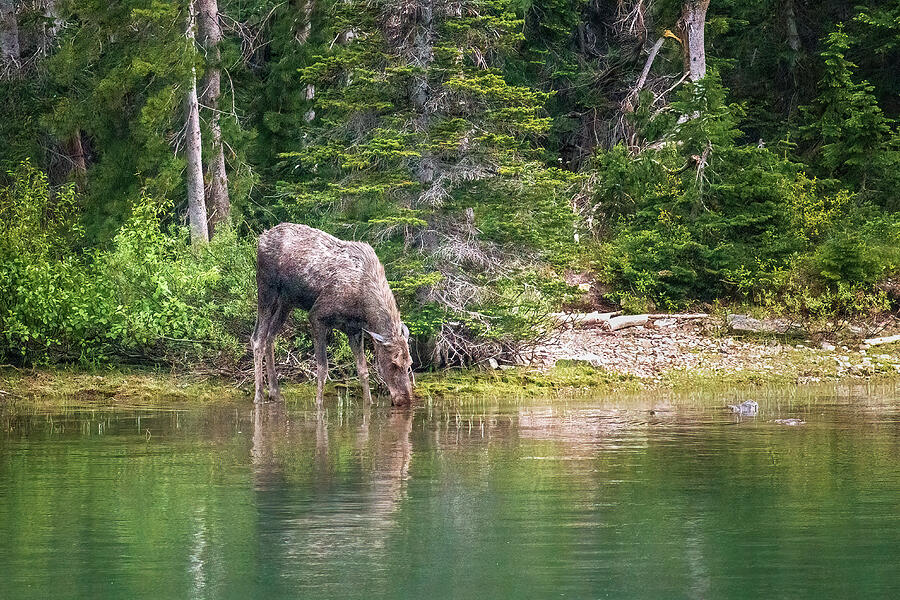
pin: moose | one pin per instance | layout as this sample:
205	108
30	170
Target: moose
342	285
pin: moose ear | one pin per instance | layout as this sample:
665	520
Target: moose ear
376	336
405	331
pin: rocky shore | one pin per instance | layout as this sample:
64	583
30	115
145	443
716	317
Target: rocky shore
672	345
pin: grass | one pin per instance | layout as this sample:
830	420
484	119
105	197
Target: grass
793	366
123	386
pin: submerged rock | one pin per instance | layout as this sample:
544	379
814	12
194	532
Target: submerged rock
790	422
747	408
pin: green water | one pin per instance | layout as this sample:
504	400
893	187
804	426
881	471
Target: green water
658	496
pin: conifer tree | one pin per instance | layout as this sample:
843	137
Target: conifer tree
847	127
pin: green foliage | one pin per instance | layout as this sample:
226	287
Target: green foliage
148	297
850	135
747	224
457	144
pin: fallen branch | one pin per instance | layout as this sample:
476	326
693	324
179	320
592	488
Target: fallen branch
747	323
882	340
617	323
583	319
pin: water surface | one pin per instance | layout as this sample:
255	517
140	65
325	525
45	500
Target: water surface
653	496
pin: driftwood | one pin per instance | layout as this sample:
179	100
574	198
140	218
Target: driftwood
882	340
617	323
613	321
749	324
590	319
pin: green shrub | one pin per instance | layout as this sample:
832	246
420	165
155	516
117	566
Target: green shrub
148	297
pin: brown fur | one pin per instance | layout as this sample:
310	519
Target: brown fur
342	285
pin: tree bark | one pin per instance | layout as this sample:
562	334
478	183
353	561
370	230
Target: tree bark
217	200
420	91
10	52
52	26
792	37
693	20
75	150
194	175
302	37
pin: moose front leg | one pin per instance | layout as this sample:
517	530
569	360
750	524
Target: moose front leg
320	341
356	345
257	343
282	310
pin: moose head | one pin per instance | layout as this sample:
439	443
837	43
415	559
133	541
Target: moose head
394	363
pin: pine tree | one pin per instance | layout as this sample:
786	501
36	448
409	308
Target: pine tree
420	143
845	124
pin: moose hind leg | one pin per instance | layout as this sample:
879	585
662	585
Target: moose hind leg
320	341
356	344
278	318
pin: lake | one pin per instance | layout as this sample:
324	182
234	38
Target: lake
656	495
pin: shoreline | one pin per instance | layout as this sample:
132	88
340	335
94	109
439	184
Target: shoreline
662	354
672	349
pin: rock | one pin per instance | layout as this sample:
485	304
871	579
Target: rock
790	422
746	408
584	287
493	363
827	347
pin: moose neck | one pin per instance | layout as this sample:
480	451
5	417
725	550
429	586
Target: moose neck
381	313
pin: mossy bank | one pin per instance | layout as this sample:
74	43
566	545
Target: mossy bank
790	365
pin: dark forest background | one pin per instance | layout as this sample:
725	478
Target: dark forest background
496	153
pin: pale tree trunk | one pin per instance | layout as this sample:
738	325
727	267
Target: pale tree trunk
792	36
693	19
420	92
75	149
194	175
790	25
52	26
10	53
218	203
302	36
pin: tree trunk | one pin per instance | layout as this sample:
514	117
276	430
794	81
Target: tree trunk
693	19
420	90
75	150
10	53
195	199
52	25
792	37
302	37
217	201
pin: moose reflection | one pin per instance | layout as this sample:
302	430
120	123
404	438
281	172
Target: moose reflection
337	486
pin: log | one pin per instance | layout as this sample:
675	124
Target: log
681	316
591	319
882	340
616	323
747	323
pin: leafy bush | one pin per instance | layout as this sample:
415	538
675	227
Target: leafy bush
699	218
148	297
